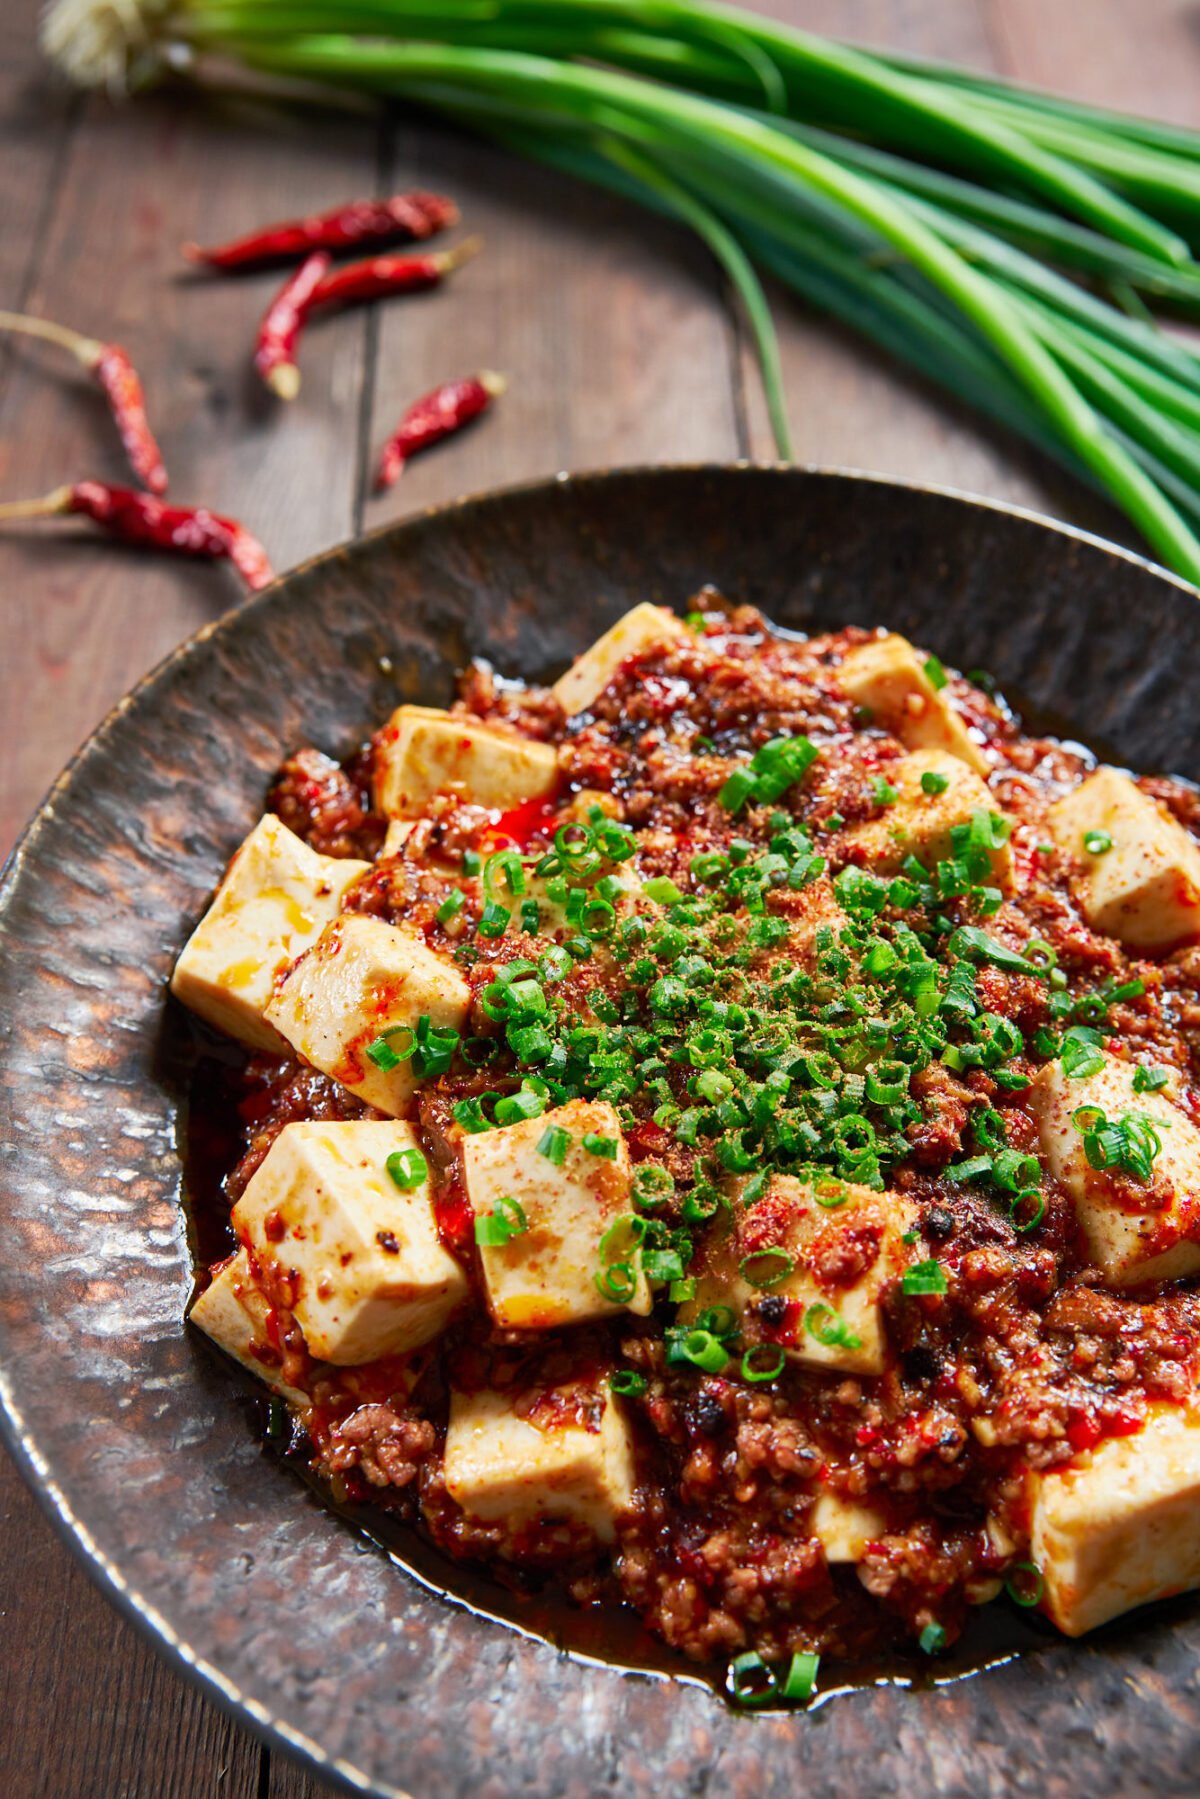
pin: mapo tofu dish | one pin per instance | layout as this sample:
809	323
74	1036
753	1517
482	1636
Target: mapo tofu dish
719	1134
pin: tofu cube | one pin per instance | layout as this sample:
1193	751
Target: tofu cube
1145	890
396	836
809	912
233	1312
546	1276
372	1278
888	678
845	1527
919	823
1134	1233
1117	1527
645	629
522	1458
361	979
276	898
423	752
846	1251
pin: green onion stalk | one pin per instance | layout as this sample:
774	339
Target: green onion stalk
1004	243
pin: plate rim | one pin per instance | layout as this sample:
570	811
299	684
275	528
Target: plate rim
17	1438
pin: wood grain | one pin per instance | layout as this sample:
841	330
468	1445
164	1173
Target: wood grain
609	324
620	345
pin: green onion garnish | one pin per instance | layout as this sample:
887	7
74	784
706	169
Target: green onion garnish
832	1332
408	1168
755	1369
554	1143
597	1145
499	1226
1097	843
392	1047
935	672
626	1383
1025	1584
924	1277
932	1639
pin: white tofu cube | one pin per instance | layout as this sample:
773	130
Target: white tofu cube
820	1321
640	631
845	1527
546	1276
1145	890
397	835
372	1278
1120	1525
919	824
423	752
276	898
809	912
521	1459
360	979
888	678
233	1312
1127	1240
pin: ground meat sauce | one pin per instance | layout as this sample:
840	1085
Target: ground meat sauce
1021	1362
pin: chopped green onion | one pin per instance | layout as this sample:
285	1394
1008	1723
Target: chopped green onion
1150	1080
505	1221
626	1383
755	1370
801	1679
662	891
392	1047
766	1268
554	1143
932	1639
924	1277
408	1168
935	672
933	783
1025	1584
451	906
1097	843
699	1347
832	1332
597	1145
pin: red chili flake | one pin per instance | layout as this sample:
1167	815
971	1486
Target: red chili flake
520	824
436	415
279	331
403	218
118	379
138	518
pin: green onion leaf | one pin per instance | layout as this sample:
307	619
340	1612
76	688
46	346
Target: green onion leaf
408	1168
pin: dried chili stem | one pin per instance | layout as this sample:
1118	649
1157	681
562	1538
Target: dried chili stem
119	382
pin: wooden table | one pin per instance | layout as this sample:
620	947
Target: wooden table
622	347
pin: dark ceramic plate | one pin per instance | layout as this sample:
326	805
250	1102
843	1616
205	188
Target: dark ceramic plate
130	1431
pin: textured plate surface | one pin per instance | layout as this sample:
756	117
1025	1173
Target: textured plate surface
130	1431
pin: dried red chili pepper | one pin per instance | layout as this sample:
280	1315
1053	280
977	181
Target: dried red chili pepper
119	380
404	218
139	518
378	276
434	416
279	332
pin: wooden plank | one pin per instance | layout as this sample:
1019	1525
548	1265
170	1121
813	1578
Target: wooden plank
1143	58
852	406
167	167
90	1708
93	215
35	128
609	324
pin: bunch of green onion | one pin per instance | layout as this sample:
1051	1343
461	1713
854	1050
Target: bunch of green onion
1006	243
